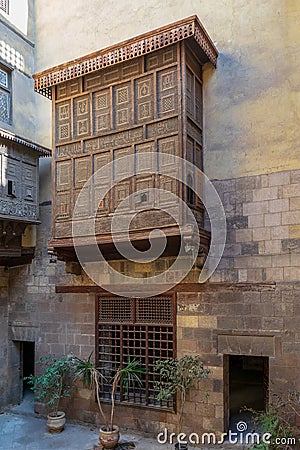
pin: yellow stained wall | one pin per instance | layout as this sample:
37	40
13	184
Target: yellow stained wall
252	99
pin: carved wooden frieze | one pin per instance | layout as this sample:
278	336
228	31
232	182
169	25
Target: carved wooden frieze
18	209
19	183
148	44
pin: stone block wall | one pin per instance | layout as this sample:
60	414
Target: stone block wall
232	320
263	239
249	307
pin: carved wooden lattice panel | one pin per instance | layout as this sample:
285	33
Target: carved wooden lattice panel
189	92
144	196
167	92
5	94
120	199
63	120
101	111
133	328
193	96
126	109
84	206
63	171
122	106
4	106
120	169
198	103
161	58
102	182
68	89
146	164
82	124
83	170
63	205
29	182
144	99
19	183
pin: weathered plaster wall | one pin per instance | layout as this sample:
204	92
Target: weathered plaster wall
17	52
251	101
4	397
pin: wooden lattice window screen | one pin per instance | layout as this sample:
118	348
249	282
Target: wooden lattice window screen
135	328
5	94
4	4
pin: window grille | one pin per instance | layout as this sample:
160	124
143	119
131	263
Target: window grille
4	5
5	95
135	328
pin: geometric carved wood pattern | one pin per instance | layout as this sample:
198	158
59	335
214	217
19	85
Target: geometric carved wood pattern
63	205
81	117
167	92
144	99
126	109
122	105
63	181
63	120
151	162
19	183
101	110
148	45
82	170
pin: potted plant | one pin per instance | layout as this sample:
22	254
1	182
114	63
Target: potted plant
51	386
92	377
178	376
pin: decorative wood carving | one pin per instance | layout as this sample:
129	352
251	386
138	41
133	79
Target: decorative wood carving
152	103
19	204
19	186
144	44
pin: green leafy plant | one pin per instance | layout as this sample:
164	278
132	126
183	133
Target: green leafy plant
125	376
179	375
279	420
55	381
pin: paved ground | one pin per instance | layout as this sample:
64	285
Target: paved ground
21	429
23	432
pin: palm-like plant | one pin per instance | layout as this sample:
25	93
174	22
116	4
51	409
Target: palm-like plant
90	375
125	376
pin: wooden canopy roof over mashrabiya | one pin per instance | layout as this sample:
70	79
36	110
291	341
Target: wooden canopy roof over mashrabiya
190	28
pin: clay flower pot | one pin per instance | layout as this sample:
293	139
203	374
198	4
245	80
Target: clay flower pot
109	439
56	423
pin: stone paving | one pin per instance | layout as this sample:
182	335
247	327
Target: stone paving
28	432
22	429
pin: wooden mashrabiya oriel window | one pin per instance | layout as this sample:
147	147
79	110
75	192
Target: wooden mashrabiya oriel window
142	95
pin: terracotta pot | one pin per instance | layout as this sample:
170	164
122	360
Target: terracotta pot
56	423
109	439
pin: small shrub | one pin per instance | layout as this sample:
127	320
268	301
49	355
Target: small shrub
54	382
179	375
279	421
